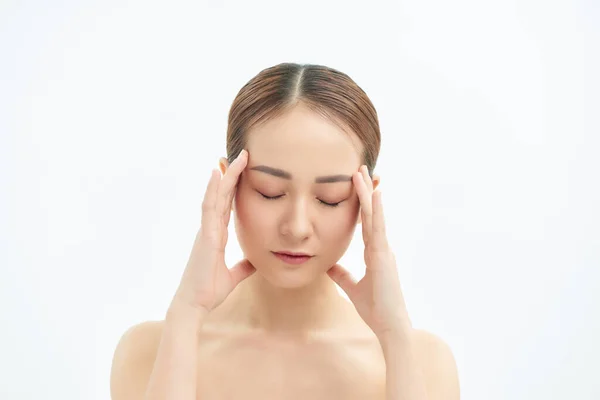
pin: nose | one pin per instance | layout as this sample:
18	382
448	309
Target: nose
297	224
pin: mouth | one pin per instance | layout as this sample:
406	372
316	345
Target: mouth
292	258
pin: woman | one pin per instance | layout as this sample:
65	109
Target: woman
302	144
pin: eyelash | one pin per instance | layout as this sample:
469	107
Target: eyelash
321	201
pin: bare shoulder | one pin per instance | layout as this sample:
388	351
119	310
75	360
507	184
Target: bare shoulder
133	360
428	342
437	364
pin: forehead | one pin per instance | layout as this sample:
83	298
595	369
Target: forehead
304	143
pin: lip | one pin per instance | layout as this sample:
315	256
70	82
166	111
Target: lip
292	259
292	253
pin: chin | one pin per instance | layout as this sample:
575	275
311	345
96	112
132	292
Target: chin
282	275
287	282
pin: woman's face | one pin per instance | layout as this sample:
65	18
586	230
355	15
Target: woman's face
288	158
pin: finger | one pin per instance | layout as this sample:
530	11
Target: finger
229	203
240	271
231	196
361	190
210	200
368	180
227	214
379	236
365	204
343	278
228	183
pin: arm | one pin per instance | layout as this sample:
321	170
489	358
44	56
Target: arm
419	366
175	370
404	377
133	359
205	284
157	360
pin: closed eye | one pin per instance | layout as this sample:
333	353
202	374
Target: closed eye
270	197
321	201
330	204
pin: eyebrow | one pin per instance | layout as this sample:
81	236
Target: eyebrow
286	175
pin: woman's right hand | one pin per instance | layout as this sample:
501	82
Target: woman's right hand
206	280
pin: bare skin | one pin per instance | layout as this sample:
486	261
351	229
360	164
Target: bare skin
237	363
263	329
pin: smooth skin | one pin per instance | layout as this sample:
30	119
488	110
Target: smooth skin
235	333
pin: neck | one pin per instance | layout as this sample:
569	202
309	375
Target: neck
314	307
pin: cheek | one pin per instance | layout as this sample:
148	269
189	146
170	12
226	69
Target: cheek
336	233
252	215
338	226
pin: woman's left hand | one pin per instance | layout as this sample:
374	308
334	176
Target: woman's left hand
377	297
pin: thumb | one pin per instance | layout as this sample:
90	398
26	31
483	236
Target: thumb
240	271
343	278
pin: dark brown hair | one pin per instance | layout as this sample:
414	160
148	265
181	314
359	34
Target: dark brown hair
324	90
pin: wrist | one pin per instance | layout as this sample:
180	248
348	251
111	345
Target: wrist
182	310
395	338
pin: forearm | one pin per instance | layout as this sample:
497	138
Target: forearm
404	378
175	369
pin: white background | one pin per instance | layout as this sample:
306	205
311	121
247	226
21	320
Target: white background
112	114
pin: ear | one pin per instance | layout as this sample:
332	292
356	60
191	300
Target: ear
376	180
223	165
